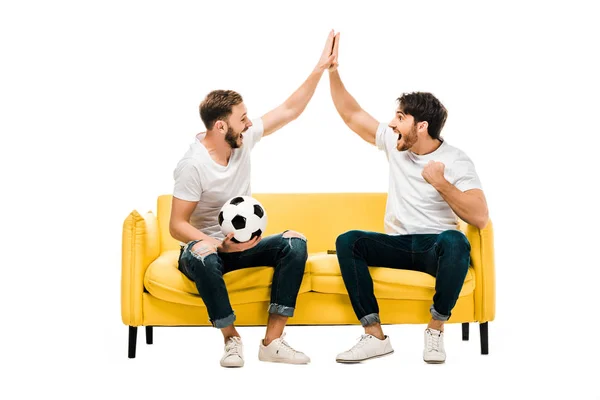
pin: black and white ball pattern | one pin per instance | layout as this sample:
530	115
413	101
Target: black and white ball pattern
243	215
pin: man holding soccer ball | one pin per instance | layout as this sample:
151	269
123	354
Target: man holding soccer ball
215	169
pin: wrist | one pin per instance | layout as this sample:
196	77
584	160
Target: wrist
317	71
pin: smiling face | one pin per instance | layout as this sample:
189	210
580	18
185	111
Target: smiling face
237	123
405	127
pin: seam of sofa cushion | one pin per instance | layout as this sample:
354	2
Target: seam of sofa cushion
392	298
245	289
387	282
481	255
132	265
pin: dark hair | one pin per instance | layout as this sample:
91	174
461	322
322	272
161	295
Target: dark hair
425	107
218	105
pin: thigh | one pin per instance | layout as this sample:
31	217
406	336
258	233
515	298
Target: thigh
394	251
264	254
425	253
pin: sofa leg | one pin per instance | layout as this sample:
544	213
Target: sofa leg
132	340
465	330
148	335
483	333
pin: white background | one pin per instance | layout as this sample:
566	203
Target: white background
99	100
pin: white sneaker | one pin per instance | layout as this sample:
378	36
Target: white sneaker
280	351
234	353
434	352
367	347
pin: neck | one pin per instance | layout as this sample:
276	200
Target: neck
426	145
218	149
216	144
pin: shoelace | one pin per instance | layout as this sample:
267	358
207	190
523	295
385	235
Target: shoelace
284	345
433	341
363	340
233	346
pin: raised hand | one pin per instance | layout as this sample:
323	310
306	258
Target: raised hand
326	56
334	53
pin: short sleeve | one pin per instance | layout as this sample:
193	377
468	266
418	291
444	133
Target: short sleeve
188	183
465	176
382	135
255	132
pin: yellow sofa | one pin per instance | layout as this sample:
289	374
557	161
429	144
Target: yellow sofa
155	293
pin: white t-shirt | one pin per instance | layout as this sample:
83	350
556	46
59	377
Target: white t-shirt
413	205
199	178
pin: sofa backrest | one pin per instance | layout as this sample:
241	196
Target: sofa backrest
321	217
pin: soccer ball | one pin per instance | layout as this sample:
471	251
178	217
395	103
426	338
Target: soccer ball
243	215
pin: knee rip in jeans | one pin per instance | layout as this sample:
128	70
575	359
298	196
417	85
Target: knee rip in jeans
293	235
200	251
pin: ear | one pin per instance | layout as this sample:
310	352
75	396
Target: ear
422	126
221	126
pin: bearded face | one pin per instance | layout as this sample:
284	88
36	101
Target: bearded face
406	140
233	138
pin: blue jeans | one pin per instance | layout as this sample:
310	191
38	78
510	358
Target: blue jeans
446	256
287	255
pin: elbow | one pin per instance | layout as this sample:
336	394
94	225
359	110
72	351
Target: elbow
295	114
172	230
482	221
292	110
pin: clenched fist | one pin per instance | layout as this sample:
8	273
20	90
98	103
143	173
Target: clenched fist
434	173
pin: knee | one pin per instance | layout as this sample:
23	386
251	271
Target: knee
346	240
206	255
296	243
454	239
294	234
201	250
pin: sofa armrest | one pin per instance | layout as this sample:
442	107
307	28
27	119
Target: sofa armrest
141	246
482	261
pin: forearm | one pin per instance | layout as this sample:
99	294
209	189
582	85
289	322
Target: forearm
471	209
185	232
344	103
297	102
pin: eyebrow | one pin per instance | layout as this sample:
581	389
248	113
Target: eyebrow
401	113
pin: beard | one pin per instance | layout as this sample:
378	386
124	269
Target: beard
408	140
232	138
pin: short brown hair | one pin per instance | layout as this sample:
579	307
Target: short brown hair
425	106
218	105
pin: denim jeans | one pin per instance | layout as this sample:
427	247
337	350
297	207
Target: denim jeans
446	256
287	255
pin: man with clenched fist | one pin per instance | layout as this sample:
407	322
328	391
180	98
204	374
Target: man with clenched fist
431	184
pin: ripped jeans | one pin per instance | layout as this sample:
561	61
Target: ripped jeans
287	255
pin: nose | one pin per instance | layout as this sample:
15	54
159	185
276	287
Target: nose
249	124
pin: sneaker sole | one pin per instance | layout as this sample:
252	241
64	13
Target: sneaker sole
283	361
364	359
434	361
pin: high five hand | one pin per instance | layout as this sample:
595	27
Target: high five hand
327	55
334	53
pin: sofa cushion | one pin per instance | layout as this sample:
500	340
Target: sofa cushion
388	283
164	281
